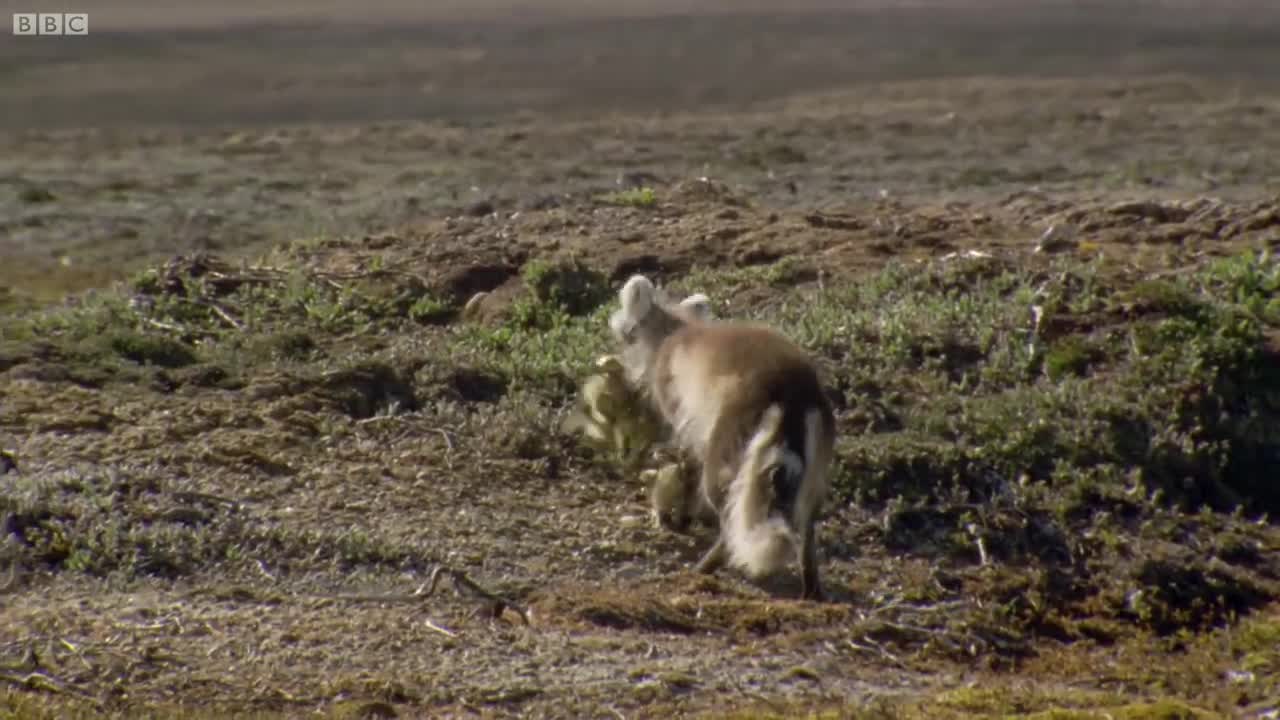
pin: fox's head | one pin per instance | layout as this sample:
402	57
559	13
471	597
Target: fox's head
648	315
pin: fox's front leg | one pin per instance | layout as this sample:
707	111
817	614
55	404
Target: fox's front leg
711	490
715	558
810	583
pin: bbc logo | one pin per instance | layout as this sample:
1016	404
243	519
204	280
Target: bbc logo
51	23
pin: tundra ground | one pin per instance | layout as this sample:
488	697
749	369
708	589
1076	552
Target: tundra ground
1031	252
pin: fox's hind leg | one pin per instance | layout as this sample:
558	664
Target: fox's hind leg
810	583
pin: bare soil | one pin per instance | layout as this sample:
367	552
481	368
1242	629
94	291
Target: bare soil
255	537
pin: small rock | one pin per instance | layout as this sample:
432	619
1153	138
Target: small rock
1151	210
379	242
544	202
34	195
1058	238
376	709
480	209
636	180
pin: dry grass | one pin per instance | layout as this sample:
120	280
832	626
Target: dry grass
237	474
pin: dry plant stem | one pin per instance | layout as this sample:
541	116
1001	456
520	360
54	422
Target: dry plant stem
165	326
266	273
874	648
258	275
11	581
495	604
442	630
191	496
40	681
226	316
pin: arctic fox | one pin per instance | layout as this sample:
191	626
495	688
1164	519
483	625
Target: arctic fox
748	404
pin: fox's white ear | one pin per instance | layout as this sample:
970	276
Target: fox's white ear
637	297
700	304
637	300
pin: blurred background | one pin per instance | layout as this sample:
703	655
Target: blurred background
247	62
229	127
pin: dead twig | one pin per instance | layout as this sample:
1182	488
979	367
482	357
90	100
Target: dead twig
448	436
494	606
380	272
178	329
40	681
191	496
496	603
10	582
443	631
226	316
447	440
165	326
267	269
875	648
371	597
262	569
75	650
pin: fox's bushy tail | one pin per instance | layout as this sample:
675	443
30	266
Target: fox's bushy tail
760	537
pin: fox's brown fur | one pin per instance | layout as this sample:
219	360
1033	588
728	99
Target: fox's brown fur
748	404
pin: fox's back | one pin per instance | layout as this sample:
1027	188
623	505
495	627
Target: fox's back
710	372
